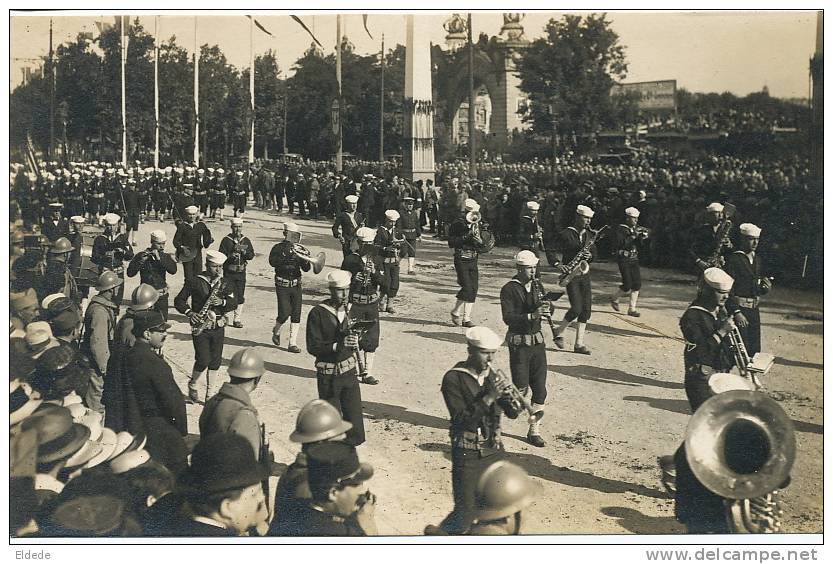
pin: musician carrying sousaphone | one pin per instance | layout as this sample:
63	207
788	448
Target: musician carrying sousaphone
737	455
211	298
290	259
468	239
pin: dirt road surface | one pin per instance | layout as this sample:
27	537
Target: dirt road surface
608	415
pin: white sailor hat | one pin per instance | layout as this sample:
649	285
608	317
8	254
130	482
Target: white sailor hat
112	218
158	235
220	171
584	211
239	173
338	279
192	209
483	338
44	305
392	215
714	207
631	212
215	257
718	279
200	171
365	234
351	199
533	206
720	382
55	205
291	226
210	169
77	219
526	258
236	221
750	230
471	205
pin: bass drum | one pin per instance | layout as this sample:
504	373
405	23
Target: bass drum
488	241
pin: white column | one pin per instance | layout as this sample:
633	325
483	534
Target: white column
196	96
156	92
125	21
252	87
419	118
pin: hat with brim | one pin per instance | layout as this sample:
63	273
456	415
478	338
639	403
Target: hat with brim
129	460
85	516
64	446
223	462
186	254
336	463
107	441
84	454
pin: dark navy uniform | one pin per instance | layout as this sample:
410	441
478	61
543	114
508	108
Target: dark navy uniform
364	295
195	236
344	229
704	353
579	289
201	187
336	365
208	345
703	245
409	225
153	271
527	351
288	268
694	505
238	253
626	248
474	429
745	296
465	259
528	234
389	241
54	230
109	253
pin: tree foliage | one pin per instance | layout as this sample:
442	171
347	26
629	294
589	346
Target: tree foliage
568	74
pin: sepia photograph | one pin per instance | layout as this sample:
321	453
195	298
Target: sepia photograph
416	273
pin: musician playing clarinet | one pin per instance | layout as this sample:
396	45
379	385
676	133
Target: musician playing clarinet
573	243
389	241
334	347
239	250
212	298
522	305
153	265
746	267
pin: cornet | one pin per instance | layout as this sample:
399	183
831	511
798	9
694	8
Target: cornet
508	389
304	254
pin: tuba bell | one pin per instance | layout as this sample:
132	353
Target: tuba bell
741	446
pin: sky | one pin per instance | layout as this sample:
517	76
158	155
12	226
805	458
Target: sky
739	52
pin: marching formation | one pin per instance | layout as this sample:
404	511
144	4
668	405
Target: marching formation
100	441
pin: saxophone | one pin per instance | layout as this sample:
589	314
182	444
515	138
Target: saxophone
579	265
721	236
206	318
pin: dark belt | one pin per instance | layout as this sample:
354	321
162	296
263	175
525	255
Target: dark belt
364	298
286	282
527	340
749	303
465	254
627	254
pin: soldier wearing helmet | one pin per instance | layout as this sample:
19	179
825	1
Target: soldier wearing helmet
144	298
318	421
502	493
231	410
57	277
100	331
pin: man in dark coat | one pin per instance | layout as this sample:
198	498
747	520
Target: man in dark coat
191	237
57	226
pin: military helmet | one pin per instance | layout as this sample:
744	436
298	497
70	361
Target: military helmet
108	280
144	297
317	421
246	363
61	246
502	490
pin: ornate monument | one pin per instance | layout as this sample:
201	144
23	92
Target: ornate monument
418	160
456	28
509	98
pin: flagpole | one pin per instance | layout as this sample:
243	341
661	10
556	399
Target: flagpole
338	78
196	96
51	97
156	92
382	108
124	40
472	149
252	86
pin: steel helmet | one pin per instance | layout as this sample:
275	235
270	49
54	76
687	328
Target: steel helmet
144	297
246	363
502	490
317	421
108	280
61	246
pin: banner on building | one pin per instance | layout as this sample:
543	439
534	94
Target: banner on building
655	95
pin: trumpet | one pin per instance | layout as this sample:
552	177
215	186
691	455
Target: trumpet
749	367
507	389
474	217
642	232
304	254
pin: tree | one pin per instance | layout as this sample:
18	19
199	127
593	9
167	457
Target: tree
269	101
569	72
176	102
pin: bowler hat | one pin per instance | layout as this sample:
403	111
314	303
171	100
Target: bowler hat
334	464
58	436
223	462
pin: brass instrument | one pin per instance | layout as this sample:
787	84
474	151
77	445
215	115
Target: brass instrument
508	389
749	367
206	317
482	238
579	265
741	446
721	237
358	327
642	232
304	254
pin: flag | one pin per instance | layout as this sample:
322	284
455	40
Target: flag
31	160
303	25
364	21
260	27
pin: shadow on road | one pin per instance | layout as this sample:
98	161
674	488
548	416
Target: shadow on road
445	336
672	405
637	522
542	468
612	376
798	363
375	410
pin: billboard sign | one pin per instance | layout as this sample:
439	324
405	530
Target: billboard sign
656	95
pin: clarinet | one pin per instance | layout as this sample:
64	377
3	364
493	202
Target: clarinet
540	297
